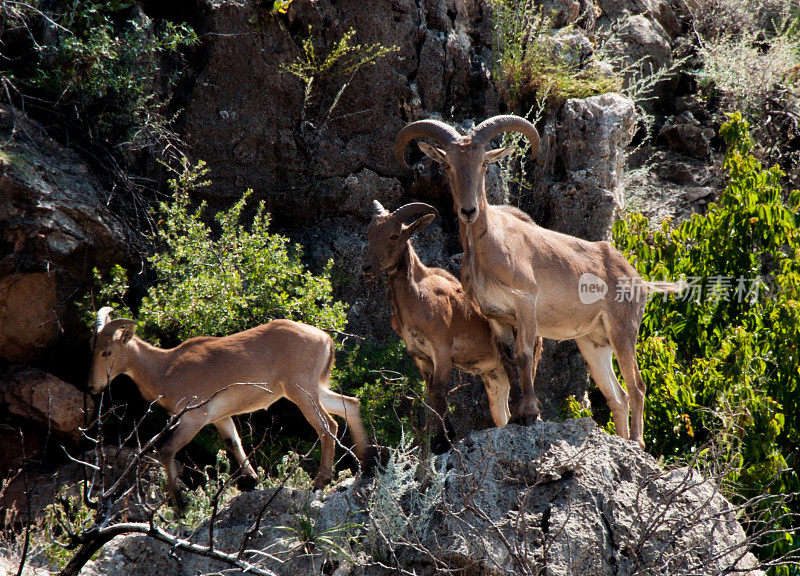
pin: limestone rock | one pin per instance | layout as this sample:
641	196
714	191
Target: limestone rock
592	142
554	498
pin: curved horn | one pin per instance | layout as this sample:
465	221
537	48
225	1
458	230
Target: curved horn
102	318
379	209
491	127
443	133
414	208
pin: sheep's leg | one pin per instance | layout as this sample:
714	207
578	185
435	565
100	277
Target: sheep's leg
599	359
325	426
626	357
227	430
348	408
189	425
527	350
498	388
437	396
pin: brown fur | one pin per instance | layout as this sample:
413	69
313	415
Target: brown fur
527	281
213	379
440	327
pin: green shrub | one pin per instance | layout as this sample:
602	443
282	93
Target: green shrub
529	68
724	360
220	283
101	62
343	60
391	401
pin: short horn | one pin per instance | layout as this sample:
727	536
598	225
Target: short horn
414	208
379	209
443	133
491	127
117	324
102	318
108	331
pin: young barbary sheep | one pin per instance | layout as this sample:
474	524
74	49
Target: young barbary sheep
539	282
440	328
212	379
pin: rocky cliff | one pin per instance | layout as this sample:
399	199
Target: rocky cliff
561	499
319	159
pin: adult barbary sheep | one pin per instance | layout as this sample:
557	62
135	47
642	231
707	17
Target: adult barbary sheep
211	379
537	282
440	327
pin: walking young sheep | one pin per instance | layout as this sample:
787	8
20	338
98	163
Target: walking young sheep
209	380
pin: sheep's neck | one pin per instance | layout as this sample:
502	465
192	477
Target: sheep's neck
404	277
145	366
471	236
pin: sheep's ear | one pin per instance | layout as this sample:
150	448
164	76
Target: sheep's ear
499	153
417	225
127	333
432	152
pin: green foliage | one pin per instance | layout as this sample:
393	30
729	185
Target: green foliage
68	514
101	64
108	291
406	494
726	359
344	58
280	7
334	541
530	67
200	501
219	284
288	471
378	376
572	409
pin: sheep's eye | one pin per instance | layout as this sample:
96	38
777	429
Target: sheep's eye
105	353
394	236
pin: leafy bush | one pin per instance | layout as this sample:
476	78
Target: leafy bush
391	401
403	500
344	59
219	284
528	67
746	71
726	355
101	60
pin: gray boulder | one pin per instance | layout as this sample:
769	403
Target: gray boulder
592	142
554	498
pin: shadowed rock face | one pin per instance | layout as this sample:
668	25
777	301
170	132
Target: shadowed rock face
54	228
318	168
553	498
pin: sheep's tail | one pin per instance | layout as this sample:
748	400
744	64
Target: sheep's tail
665	287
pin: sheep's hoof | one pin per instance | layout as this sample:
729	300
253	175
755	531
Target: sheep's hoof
525	420
320	483
180	500
246	483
